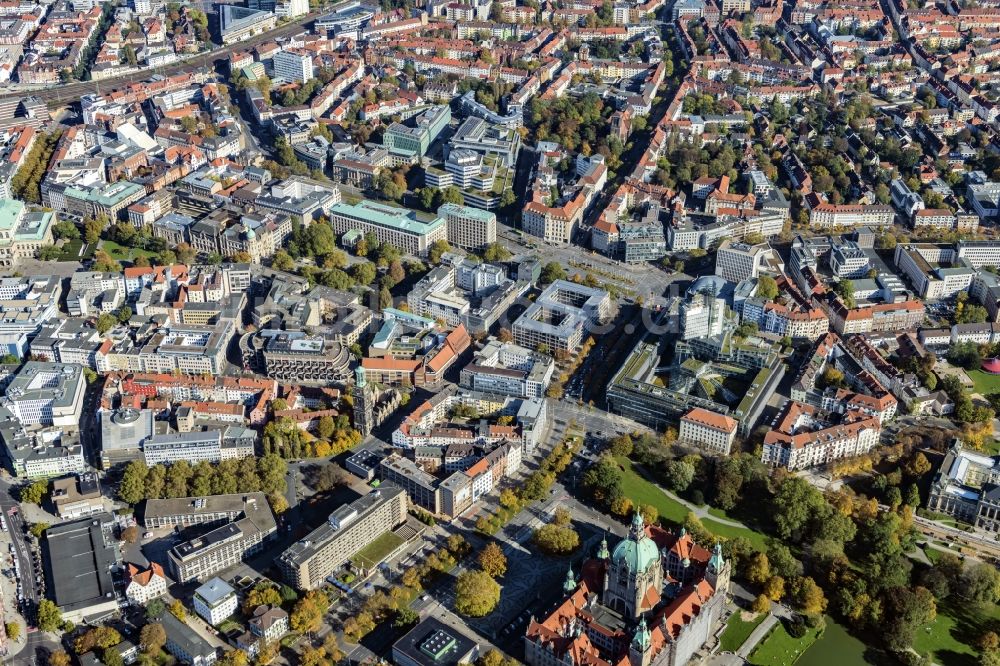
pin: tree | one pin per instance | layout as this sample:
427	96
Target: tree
105	263
60	658
34	492
98	638
476	594
981	583
774	588
679	475
622	445
263	593
92	230
130	534
307	614
809	597
988	642
495	252
49	618
177	610
794	506
152	638
406	617
384	298
556	540
761	604
492	560
13	630
123	314
758	569
845	289
234	658
551	272
105	322
767	288
155	608
325	427
436	249
505	335
918	465
363	273
65	229
907	611
396	271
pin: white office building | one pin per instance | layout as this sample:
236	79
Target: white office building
293	66
215	601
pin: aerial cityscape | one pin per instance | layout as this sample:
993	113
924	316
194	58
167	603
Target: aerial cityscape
500	332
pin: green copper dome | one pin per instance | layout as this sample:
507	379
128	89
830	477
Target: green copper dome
638	552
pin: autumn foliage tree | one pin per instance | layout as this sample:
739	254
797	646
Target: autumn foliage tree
492	560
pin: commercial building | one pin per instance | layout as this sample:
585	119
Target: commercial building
433	643
124	432
469	228
561	315
26	303
230	443
739	261
294	356
702	315
306	564
228	543
410	232
412	138
803	436
215	601
829	215
40	420
237	24
508	369
707	430
77	496
81	558
186	348
22	233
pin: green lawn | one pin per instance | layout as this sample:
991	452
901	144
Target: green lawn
122	253
781	649
641	491
985	383
373	554
738	631
951	636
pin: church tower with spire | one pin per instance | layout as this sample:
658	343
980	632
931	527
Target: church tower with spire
364	403
718	571
640	650
570	583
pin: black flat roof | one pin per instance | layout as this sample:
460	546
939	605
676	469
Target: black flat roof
78	562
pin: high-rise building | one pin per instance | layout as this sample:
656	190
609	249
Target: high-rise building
469	228
307	563
293	66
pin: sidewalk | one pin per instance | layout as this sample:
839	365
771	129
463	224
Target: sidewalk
756	636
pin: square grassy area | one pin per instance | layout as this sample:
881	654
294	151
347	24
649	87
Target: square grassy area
373	554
